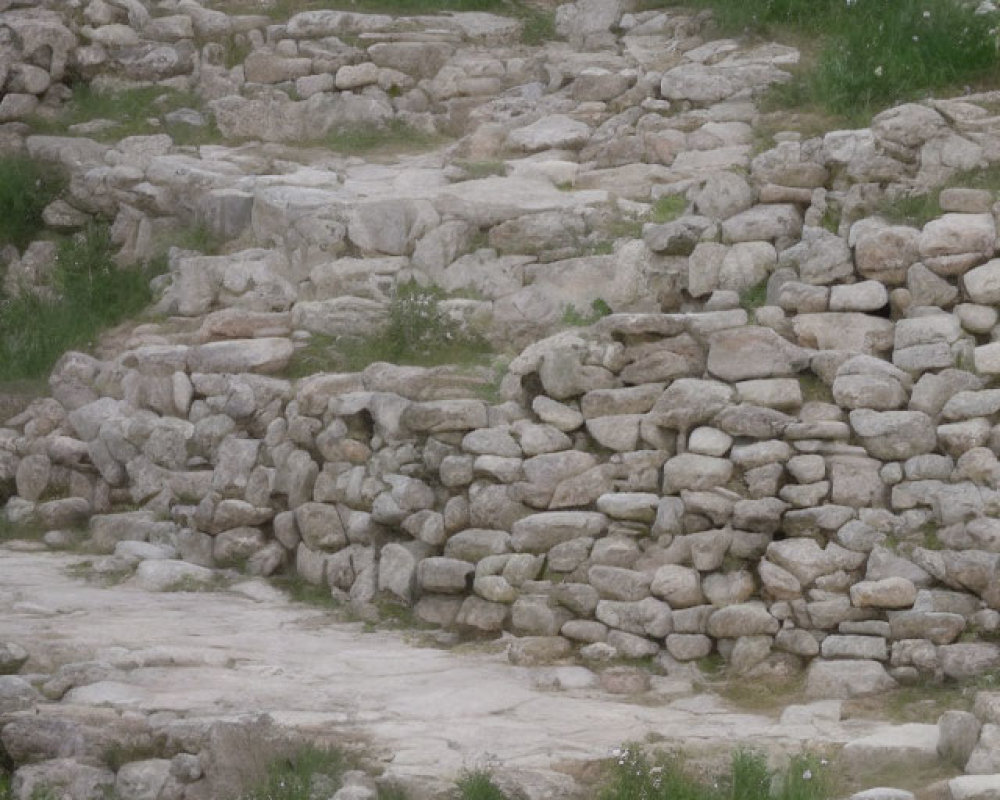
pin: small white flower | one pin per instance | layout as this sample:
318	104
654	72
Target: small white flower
927	15
916	38
878	71
807	775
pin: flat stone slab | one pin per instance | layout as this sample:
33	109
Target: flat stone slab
219	653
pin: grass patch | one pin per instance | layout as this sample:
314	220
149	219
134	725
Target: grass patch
911	209
635	775
668	208
139	111
301	591
753	298
92	294
478	785
573	317
762	695
482	169
26	187
831	219
299	776
417	332
235	49
814	390
188	583
870	54
395	137
197	237
924	701
118	754
396	616
31	531
919	209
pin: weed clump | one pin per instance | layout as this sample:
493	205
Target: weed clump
395	136
417	331
573	317
634	775
26	187
299	775
91	293
478	785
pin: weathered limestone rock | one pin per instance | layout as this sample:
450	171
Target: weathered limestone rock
891	435
745	353
846	678
887	593
958	732
745	619
549	133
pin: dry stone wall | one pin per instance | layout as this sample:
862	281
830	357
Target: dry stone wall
812	482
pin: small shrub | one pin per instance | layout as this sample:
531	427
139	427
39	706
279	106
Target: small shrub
26	187
478	785
418	331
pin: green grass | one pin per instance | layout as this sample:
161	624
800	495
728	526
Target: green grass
911	209
294	778
93	294
482	169
395	137
574	317
636	775
235	49
919	209
755	297
301	591
418	332
668	208
135	112
26	187
478	785
814	389
870	54
22	530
